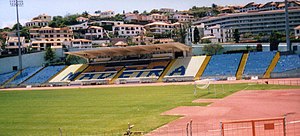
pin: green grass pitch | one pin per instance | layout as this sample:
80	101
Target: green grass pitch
100	111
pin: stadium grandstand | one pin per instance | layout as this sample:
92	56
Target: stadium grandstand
171	62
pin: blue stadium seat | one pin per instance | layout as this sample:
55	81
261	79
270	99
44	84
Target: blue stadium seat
223	65
26	73
44	75
258	63
6	76
287	62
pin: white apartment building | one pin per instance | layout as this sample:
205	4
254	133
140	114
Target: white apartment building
94	33
105	22
12	44
43	45
82	19
250	7
254	22
81	43
183	18
137	18
190	32
167	10
39	21
297	32
142	39
268	6
107	14
50	37
79	26
159	17
216	34
128	30
160	27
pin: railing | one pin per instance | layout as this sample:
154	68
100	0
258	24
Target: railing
279	126
295	82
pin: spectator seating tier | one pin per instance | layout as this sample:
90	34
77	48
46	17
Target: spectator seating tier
258	63
98	72
24	75
186	66
44	75
153	69
6	76
69	73
286	63
223	66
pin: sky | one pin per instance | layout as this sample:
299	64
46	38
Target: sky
33	8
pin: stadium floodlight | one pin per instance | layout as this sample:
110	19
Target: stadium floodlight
287	29
17	4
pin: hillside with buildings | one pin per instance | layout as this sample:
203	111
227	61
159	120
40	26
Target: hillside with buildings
252	22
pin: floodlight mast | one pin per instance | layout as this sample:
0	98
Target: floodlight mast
287	29
17	4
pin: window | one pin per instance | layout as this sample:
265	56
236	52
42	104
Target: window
295	48
15	68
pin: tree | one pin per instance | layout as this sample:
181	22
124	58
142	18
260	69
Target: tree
49	55
274	40
181	35
85	14
71	59
25	32
196	35
259	47
215	10
214	6
199	11
59	21
119	17
145	12
135	12
16	25
212	49
2	39
236	36
205	41
153	11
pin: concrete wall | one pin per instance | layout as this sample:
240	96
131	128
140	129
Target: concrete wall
33	59
28	60
197	48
